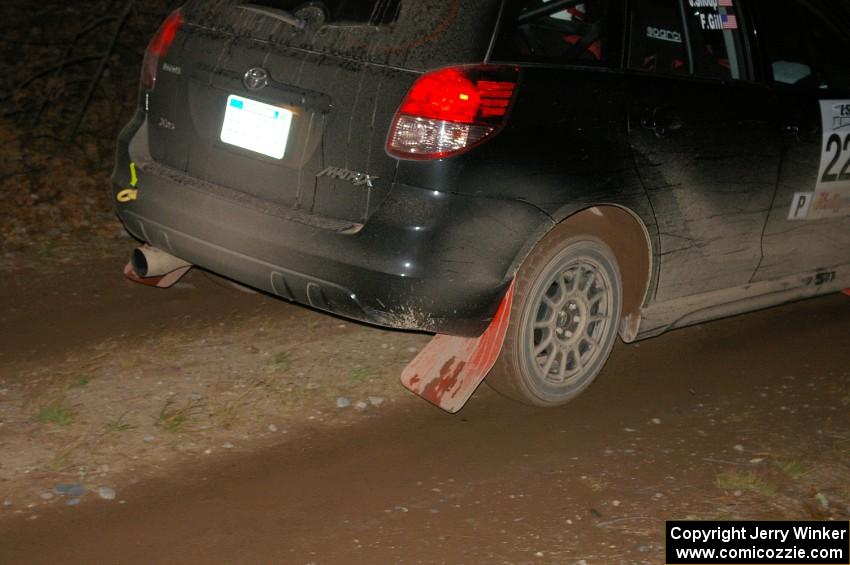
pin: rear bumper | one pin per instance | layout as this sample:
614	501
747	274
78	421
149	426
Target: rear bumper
425	260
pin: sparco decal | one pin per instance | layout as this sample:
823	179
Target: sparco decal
664	34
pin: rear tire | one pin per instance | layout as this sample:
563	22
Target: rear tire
564	321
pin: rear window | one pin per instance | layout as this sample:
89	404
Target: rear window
411	34
556	31
339	12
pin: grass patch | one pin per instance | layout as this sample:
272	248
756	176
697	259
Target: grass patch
176	419
81	382
281	362
57	412
118	425
46	251
748	481
229	409
793	468
228	414
363	374
63	458
128	363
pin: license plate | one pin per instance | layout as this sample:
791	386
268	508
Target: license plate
256	126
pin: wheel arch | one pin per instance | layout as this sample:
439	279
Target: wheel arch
629	238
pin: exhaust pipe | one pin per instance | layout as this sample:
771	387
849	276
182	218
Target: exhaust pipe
154	267
151	262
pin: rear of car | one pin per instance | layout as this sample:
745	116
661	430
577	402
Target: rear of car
268	142
527	178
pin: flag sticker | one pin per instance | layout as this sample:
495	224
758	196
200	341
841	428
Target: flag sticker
725	3
714	21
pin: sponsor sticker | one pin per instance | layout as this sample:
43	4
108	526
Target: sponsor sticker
832	194
801	204
663	34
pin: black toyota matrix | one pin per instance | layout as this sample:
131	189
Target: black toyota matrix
527	179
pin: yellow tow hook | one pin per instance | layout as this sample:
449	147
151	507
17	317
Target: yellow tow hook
130	194
127	195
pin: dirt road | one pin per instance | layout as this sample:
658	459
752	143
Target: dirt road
743	418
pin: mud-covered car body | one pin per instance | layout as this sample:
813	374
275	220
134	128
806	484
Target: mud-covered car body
688	135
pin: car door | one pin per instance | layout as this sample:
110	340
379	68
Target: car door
806	48
705	141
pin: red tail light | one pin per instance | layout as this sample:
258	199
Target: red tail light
159	46
450	111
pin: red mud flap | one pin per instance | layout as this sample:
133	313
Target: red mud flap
165	281
449	369
846	292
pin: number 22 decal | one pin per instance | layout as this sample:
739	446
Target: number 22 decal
841	146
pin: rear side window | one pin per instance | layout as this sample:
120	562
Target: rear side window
658	38
717	43
555	31
697	37
805	46
831	51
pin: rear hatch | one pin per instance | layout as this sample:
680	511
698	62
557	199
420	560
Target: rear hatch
299	117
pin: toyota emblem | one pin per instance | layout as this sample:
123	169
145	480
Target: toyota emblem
256	79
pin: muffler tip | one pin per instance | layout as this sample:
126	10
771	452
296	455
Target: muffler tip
149	262
139	262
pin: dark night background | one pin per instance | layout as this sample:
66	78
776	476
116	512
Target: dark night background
69	77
